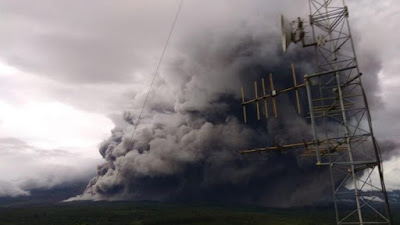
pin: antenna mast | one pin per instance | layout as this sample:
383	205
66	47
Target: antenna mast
336	95
343	137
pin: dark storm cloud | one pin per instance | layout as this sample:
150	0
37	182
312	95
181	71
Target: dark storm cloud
185	147
100	41
182	149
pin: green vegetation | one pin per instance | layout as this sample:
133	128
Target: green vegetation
147	213
105	213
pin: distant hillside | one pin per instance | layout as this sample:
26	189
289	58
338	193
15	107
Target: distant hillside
60	193
44	196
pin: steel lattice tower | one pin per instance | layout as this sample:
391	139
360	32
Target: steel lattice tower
343	137
336	95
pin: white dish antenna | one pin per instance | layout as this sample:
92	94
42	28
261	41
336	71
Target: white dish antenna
291	32
286	28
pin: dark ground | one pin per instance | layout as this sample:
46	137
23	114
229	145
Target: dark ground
146	213
42	207
151	213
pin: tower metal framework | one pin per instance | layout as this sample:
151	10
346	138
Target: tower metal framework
343	137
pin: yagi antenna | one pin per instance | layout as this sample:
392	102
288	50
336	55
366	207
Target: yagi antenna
342	135
272	94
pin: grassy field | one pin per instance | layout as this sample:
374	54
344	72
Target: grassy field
146	213
156	214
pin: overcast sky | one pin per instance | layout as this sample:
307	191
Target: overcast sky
69	68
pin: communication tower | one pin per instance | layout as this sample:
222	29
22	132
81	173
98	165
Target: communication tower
340	120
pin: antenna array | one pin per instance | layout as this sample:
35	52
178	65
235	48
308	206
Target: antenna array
343	138
272	94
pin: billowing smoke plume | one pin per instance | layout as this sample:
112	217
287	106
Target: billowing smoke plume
186	145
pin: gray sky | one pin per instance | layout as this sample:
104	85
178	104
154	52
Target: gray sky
68	68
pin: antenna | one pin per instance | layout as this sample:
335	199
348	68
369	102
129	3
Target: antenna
294	32
340	121
286	28
273	94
